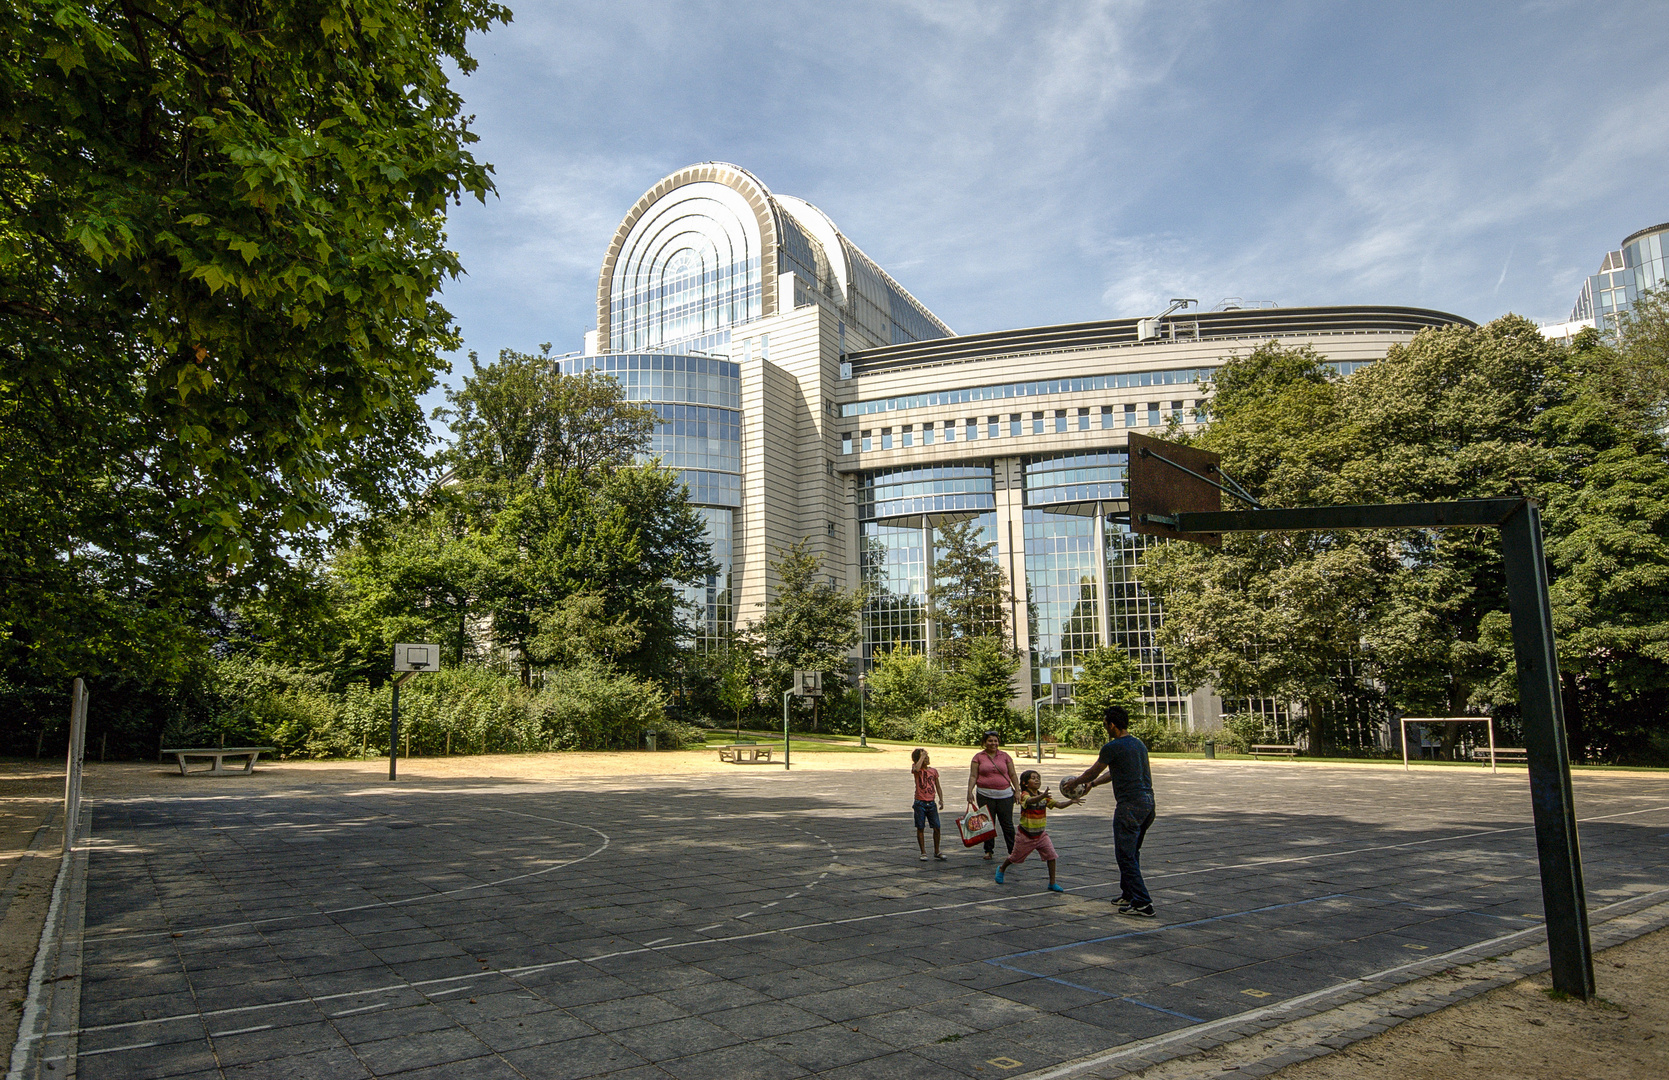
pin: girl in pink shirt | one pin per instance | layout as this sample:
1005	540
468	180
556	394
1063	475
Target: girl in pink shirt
930	799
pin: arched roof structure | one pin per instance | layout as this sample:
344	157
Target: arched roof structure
708	247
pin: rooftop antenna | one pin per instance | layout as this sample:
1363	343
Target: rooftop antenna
1148	329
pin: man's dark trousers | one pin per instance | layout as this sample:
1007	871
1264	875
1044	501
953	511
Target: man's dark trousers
1131	820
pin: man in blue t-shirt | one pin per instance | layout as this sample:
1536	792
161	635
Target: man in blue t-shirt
1124	759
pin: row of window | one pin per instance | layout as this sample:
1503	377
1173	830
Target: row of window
1084	385
1156	414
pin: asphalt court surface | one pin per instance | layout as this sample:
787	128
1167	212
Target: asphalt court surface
763	924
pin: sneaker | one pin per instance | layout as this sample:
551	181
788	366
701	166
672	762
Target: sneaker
1055	888
1143	912
999	875
924	856
1122	906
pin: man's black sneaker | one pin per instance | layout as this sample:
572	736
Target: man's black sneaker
1143	912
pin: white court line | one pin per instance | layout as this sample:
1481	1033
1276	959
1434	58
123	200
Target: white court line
112	1049
513	973
378	1005
239	1031
1267	1011
381	903
454	990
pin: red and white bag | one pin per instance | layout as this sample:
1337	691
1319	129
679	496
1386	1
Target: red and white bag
976	828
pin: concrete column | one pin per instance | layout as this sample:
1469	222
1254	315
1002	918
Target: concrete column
1103	587
927	583
1011	552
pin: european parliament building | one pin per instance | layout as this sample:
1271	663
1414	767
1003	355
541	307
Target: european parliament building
805	393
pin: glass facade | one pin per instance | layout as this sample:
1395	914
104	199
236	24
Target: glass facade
1001	391
892	493
894	567
1134	616
1061	594
688	270
1624	274
699	433
1075	478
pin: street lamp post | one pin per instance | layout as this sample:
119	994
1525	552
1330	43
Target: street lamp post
863	734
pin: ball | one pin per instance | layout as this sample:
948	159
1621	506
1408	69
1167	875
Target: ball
1070	787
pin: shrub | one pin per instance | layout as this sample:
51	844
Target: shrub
1240	732
1163	738
590	708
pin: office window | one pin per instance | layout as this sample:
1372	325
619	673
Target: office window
886	438
1106	416
950	431
1060	419
1014	422
846	442
831	528
909	433
1083	419
867	443
1130	416
1037	423
970	430
927	434
992	424
764	346
1176	409
1153	414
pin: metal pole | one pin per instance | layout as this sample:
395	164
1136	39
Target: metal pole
1563	899
1404	724
72	764
394	724
1037	727
863	735
1490	724
786	694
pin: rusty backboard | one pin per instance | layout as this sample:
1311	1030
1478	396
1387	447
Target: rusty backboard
1160	490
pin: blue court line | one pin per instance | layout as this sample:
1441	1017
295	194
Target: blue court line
998	961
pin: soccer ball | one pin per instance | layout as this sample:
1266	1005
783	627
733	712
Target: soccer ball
1070	787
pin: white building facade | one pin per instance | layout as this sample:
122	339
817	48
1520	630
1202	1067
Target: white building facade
806	394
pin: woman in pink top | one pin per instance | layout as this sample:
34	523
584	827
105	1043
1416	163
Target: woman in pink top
992	782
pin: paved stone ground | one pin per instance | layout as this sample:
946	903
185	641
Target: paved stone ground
762	924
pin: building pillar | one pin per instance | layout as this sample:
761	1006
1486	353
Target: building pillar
1103	586
928	629
1009	481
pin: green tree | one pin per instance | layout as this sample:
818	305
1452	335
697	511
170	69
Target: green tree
904	683
220	239
970	594
811	624
1110	676
984	685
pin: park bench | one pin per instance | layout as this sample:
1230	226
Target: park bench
220	754
1502	753
1047	748
739	753
1286	750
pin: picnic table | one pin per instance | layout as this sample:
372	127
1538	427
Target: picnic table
219	754
745	753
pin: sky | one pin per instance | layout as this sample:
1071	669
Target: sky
1027	163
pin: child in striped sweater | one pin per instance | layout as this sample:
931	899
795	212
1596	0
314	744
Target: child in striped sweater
1035	803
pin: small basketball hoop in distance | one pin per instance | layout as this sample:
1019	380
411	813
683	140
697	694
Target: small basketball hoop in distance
1159	491
808	684
416	657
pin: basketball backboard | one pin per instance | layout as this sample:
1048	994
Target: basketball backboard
417	658
808	684
1159	490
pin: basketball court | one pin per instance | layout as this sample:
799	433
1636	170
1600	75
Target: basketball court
757	923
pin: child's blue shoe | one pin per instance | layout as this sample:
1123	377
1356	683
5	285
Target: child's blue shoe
999	875
1055	888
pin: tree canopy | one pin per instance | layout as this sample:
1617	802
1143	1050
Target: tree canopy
221	235
1353	624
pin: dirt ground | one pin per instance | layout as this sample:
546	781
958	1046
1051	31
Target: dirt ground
1518	1031
28	795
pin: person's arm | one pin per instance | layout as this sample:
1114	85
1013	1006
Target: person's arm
1013	777
1088	776
973	775
940	788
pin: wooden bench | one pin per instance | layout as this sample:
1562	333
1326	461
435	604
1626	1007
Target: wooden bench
1285	750
745	753
1046	748
1502	753
219	754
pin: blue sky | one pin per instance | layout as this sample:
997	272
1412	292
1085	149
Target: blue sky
1018	164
